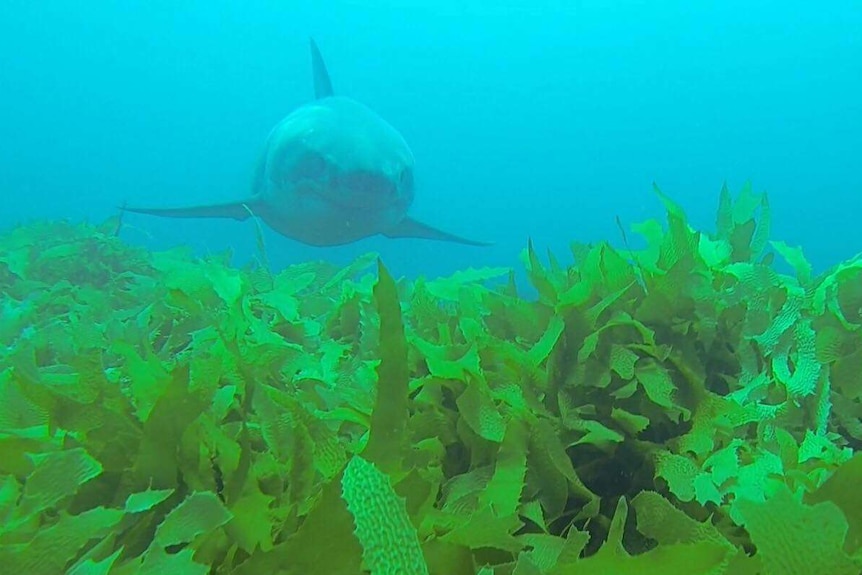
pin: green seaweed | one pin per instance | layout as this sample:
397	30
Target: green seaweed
683	408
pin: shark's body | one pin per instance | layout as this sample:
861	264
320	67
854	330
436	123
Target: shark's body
332	172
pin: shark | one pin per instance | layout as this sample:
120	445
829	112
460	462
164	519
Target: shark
332	172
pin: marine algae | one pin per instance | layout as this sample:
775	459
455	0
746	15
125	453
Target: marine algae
686	408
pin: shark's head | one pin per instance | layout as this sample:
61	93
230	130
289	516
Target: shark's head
342	153
334	171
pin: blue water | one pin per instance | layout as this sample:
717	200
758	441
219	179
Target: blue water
539	119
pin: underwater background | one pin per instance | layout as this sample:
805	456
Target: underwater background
656	368
540	120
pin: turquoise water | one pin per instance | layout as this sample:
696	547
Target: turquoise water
680	408
542	119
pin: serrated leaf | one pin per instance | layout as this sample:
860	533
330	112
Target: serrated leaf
55	476
477	407
449	288
146	500
201	512
386	439
389	541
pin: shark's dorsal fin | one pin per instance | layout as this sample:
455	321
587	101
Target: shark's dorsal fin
322	83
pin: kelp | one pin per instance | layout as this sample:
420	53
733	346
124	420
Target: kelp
689	407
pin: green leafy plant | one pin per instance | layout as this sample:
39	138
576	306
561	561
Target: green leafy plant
684	408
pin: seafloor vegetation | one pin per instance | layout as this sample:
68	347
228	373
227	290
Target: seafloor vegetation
682	409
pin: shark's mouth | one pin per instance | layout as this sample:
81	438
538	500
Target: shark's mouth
360	189
352	189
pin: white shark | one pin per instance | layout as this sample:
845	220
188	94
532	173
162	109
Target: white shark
332	172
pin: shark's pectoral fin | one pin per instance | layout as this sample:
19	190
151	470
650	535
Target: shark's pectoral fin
410	228
239	210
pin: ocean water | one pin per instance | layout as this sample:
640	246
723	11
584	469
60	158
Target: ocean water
693	413
537	120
